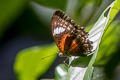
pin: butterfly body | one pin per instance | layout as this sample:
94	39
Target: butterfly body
71	39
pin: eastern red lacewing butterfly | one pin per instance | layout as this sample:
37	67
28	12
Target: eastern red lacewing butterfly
70	38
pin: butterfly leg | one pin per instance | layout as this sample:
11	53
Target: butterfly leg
61	54
66	63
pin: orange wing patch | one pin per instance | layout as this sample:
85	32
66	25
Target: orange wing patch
62	43
73	46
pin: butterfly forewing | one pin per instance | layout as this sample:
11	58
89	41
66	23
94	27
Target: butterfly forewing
62	26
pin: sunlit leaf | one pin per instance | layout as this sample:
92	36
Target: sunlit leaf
108	46
110	33
115	9
102	23
33	62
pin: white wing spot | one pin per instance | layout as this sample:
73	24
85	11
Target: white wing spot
58	30
68	28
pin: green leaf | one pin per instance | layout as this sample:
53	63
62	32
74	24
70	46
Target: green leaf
108	46
33	62
9	10
58	4
115	9
102	23
111	33
61	72
104	55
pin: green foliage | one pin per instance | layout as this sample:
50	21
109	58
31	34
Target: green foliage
110	38
77	10
88	75
58	4
29	64
9	10
98	73
33	62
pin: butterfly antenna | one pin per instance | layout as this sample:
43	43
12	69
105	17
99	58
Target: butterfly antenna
46	57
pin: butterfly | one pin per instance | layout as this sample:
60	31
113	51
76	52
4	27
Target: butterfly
70	38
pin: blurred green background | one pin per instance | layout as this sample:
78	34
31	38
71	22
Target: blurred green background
26	39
